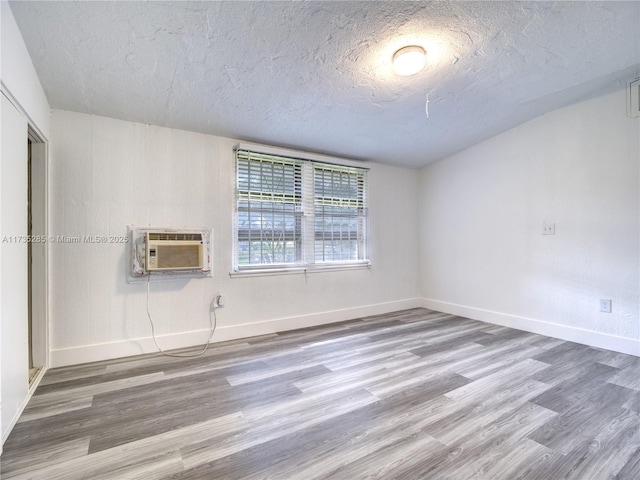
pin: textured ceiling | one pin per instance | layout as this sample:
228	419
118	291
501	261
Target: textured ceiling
317	75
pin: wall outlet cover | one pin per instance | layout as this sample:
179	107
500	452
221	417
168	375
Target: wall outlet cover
548	228
605	305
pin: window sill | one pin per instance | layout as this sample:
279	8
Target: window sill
266	272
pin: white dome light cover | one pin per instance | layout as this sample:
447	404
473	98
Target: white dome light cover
409	60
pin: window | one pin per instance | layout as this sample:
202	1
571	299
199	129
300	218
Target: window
339	206
269	209
298	213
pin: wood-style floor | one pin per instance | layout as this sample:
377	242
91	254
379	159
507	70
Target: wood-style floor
411	395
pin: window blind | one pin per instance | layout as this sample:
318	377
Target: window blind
297	212
268	215
340	210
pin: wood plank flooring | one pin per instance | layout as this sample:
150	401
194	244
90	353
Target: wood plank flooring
415	394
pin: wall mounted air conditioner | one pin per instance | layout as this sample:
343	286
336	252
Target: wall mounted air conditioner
167	251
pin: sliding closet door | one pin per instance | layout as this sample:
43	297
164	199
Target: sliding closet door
13	265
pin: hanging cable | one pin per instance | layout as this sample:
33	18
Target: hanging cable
212	325
426	104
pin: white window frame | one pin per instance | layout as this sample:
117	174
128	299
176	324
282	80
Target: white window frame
348	171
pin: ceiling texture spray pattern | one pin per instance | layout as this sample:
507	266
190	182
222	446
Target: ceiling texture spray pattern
318	76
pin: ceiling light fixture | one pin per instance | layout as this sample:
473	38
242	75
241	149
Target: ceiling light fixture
409	60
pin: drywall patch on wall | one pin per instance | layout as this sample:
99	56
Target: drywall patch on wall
482	213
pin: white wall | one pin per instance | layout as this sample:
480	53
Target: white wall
18	75
107	174
13	294
481	212
23	103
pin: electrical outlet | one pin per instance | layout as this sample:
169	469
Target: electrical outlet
605	305
548	228
218	301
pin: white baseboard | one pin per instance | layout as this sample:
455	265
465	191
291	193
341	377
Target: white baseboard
626	345
138	346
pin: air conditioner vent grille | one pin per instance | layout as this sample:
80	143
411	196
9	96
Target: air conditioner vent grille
177	236
178	257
